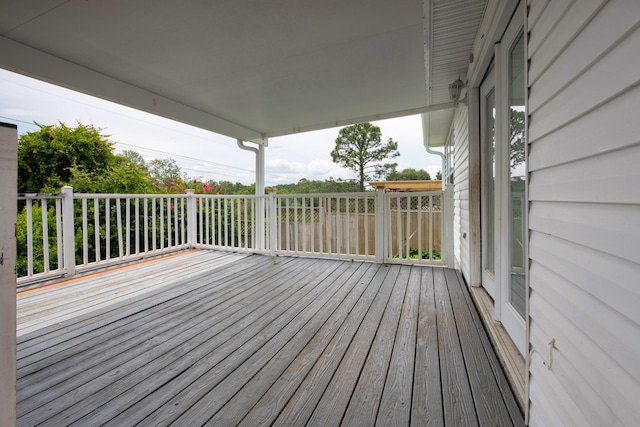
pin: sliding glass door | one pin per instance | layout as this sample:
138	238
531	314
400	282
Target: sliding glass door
503	156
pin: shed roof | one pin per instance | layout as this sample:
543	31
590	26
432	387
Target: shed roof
416	185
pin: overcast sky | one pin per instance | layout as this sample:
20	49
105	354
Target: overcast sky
199	153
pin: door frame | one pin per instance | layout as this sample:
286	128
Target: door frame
497	57
514	324
489	281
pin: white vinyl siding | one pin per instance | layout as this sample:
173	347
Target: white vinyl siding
584	215
460	139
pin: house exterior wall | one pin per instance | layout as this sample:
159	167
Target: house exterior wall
584	213
460	140
8	190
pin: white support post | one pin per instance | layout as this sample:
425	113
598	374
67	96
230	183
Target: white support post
260	193
447	215
380	237
68	232
191	218
273	224
260	215
8	213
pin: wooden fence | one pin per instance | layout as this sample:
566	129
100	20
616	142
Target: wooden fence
349	233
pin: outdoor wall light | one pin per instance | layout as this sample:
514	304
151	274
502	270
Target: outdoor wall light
455	90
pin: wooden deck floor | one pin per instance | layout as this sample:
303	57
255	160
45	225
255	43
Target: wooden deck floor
208	338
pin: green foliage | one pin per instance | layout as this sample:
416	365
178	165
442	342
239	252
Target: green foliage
228	187
55	156
516	137
38	248
359	147
439	176
414	253
408	174
47	157
123	176
135	158
306	186
165	172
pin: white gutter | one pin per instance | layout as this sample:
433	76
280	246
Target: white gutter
425	140
259	152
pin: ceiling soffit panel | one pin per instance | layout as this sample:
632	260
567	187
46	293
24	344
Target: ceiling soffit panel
453	33
251	67
274	67
451	36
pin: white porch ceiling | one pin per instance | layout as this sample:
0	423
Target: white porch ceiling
247	69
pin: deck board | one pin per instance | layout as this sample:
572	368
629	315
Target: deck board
282	371
208	338
490	406
184	346
135	316
70	302
208	392
396	399
426	405
365	399
457	400
331	406
305	377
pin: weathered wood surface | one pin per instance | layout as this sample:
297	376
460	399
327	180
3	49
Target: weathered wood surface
227	339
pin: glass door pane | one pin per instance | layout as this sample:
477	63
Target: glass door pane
488	184
489	178
517	176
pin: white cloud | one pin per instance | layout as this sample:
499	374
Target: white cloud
280	171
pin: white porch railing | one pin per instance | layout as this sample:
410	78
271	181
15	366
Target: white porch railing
119	227
231	222
39	236
59	235
325	225
414	226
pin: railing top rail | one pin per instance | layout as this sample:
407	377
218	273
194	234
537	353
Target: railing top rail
34	196
230	196
315	195
126	196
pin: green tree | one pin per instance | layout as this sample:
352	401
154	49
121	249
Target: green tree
439	176
135	158
408	174
307	186
166	172
360	148
123	176
82	157
516	137
48	157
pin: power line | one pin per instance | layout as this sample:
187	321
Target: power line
198	161
31	124
183	157
220	166
120	113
